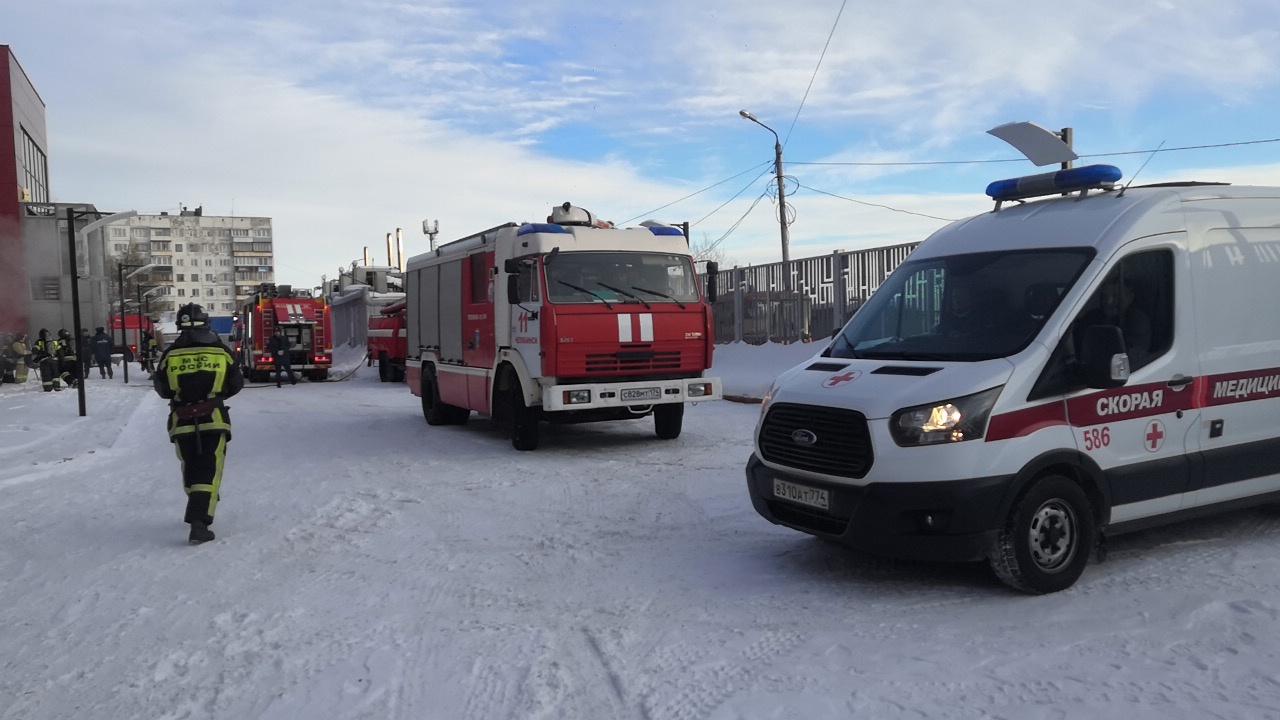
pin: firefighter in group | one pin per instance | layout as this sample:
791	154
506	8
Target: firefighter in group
44	355
22	353
68	362
196	374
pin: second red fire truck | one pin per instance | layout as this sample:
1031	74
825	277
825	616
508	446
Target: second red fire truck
306	323
572	320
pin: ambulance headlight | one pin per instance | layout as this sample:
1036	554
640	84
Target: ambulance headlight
946	421
697	390
577	397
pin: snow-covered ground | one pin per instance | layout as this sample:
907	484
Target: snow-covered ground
370	566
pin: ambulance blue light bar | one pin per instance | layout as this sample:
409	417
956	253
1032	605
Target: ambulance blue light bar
1089	177
541	228
659	230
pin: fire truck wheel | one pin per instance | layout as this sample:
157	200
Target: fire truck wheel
1047	537
436	412
384	367
522	421
668	420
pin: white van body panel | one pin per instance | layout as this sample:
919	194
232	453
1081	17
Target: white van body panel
1192	427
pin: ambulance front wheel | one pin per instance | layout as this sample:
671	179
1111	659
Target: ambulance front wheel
1045	542
668	420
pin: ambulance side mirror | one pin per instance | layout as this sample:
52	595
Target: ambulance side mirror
1103	361
713	268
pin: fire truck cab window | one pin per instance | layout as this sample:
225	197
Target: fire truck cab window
526	286
592	277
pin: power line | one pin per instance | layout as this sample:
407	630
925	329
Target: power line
738	222
735	197
1011	160
699	192
815	71
871	204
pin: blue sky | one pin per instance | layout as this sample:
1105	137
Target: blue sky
345	120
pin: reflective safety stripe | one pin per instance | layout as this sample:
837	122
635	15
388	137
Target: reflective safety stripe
217	422
185	361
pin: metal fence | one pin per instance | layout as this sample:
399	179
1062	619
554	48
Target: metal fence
810	298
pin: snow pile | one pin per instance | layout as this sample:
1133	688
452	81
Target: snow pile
370	566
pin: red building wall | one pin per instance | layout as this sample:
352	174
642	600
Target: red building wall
21	109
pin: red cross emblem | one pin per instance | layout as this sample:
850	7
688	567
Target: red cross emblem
836	380
1155	436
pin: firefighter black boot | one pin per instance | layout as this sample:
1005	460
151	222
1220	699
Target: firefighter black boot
200	533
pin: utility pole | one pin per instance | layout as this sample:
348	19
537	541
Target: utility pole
782	200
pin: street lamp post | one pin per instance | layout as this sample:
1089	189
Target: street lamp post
782	199
124	338
73	215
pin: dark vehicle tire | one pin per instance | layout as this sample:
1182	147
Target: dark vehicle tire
1045	542
522	421
435	411
397	372
318	376
384	367
668	420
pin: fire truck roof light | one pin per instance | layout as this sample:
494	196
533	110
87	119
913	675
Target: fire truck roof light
541	228
1089	177
666	231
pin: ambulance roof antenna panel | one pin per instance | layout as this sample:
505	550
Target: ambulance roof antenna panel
1039	145
568	214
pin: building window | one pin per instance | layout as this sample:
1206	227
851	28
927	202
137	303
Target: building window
182	277
262	247
121	247
208	277
160	245
239	233
119	232
262	233
46	288
208	263
177	247
35	170
160	232
182	292
179	262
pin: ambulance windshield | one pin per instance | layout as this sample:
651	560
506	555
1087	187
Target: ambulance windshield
962	307
621	277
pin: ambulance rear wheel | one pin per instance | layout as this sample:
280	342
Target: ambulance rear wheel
1045	542
668	420
435	411
522	421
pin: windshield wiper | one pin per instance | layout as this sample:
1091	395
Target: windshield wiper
655	292
581	289
620	291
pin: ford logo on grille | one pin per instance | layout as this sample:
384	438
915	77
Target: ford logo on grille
804	437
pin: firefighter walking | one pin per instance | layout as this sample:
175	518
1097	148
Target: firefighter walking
196	374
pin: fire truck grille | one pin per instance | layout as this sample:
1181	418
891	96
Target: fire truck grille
625	361
824	440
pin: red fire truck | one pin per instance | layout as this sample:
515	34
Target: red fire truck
305	321
388	342
134	326
572	320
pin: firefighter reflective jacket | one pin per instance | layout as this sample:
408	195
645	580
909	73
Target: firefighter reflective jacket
195	374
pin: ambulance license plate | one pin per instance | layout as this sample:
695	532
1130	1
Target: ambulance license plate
813	497
642	393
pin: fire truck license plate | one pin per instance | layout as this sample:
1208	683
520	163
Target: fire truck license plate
642	393
813	497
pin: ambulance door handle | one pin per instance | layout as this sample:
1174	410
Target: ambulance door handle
1180	381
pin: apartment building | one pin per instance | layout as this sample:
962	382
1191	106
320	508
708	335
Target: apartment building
215	261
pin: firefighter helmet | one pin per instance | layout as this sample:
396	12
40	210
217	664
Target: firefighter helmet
192	316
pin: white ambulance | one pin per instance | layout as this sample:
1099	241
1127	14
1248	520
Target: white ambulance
1039	377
